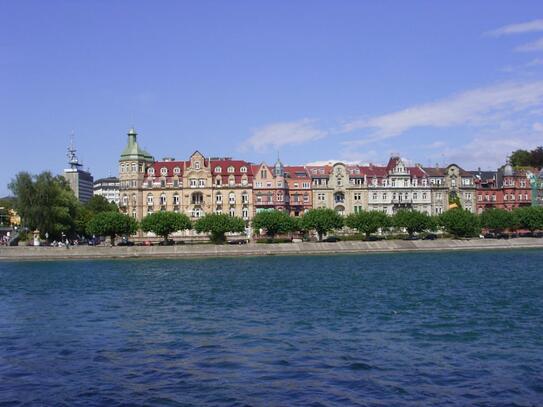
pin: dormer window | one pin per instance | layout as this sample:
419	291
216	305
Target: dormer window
218	168
164	171
230	169
177	170
243	169
197	165
151	171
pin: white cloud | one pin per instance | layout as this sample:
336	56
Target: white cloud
477	107
531	46
526	27
276	135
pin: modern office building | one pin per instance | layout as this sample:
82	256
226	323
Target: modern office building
81	181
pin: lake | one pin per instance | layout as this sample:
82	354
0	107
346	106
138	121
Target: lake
462	328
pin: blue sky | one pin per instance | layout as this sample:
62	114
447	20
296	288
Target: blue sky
436	82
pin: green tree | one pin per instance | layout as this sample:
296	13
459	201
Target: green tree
530	217
497	220
367	222
412	221
97	204
165	223
112	224
460	223
520	158
322	221
217	224
273	222
45	202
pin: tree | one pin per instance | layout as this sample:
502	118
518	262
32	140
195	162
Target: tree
497	219
322	220
45	202
460	223
217	224
273	222
112	224
165	223
520	158
412	221
367	222
97	204
530	217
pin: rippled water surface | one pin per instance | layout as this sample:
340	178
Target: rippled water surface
402	329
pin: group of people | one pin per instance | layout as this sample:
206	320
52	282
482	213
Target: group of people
4	240
66	243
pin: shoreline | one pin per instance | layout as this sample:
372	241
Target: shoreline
30	253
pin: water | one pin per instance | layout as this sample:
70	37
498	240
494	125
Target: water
403	329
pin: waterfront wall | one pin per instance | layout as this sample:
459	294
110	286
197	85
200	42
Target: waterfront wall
306	248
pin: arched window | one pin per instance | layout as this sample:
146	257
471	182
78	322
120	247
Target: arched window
245	213
230	169
231	180
218	198
134	167
177	170
231	198
197	213
244	180
164	171
150	199
232	211
243	169
218	168
176	199
125	200
245	197
151	171
218	180
197	165
162	199
197	198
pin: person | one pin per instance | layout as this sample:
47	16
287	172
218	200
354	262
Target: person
67	243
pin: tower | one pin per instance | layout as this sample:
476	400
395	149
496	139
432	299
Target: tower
133	164
80	181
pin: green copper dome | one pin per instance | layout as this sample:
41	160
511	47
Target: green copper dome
132	151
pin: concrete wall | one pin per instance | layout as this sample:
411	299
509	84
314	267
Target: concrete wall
209	250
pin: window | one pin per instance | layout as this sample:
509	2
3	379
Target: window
268	184
374	196
231	180
151	171
245	198
305	185
134	201
230	169
245	213
295	185
176	183
218	198
279	184
197	213
150	199
193	183
244	180
164	171
197	165
453	182
263	174
162	199
176	199
280	197
125	200
197	198
149	184
306	197
357	209
218	180
218	168
232	211
177	170
162	183
384	196
258	184
357	196
134	167
415	195
424	195
201	182
232	198
243	169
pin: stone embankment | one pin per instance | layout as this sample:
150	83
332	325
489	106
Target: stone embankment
306	248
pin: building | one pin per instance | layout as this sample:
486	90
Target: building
505	188
195	186
450	186
108	188
80	181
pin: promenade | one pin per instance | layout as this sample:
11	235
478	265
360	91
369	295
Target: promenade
253	249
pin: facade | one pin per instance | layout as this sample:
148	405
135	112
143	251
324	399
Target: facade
80	181
201	185
505	188
108	188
